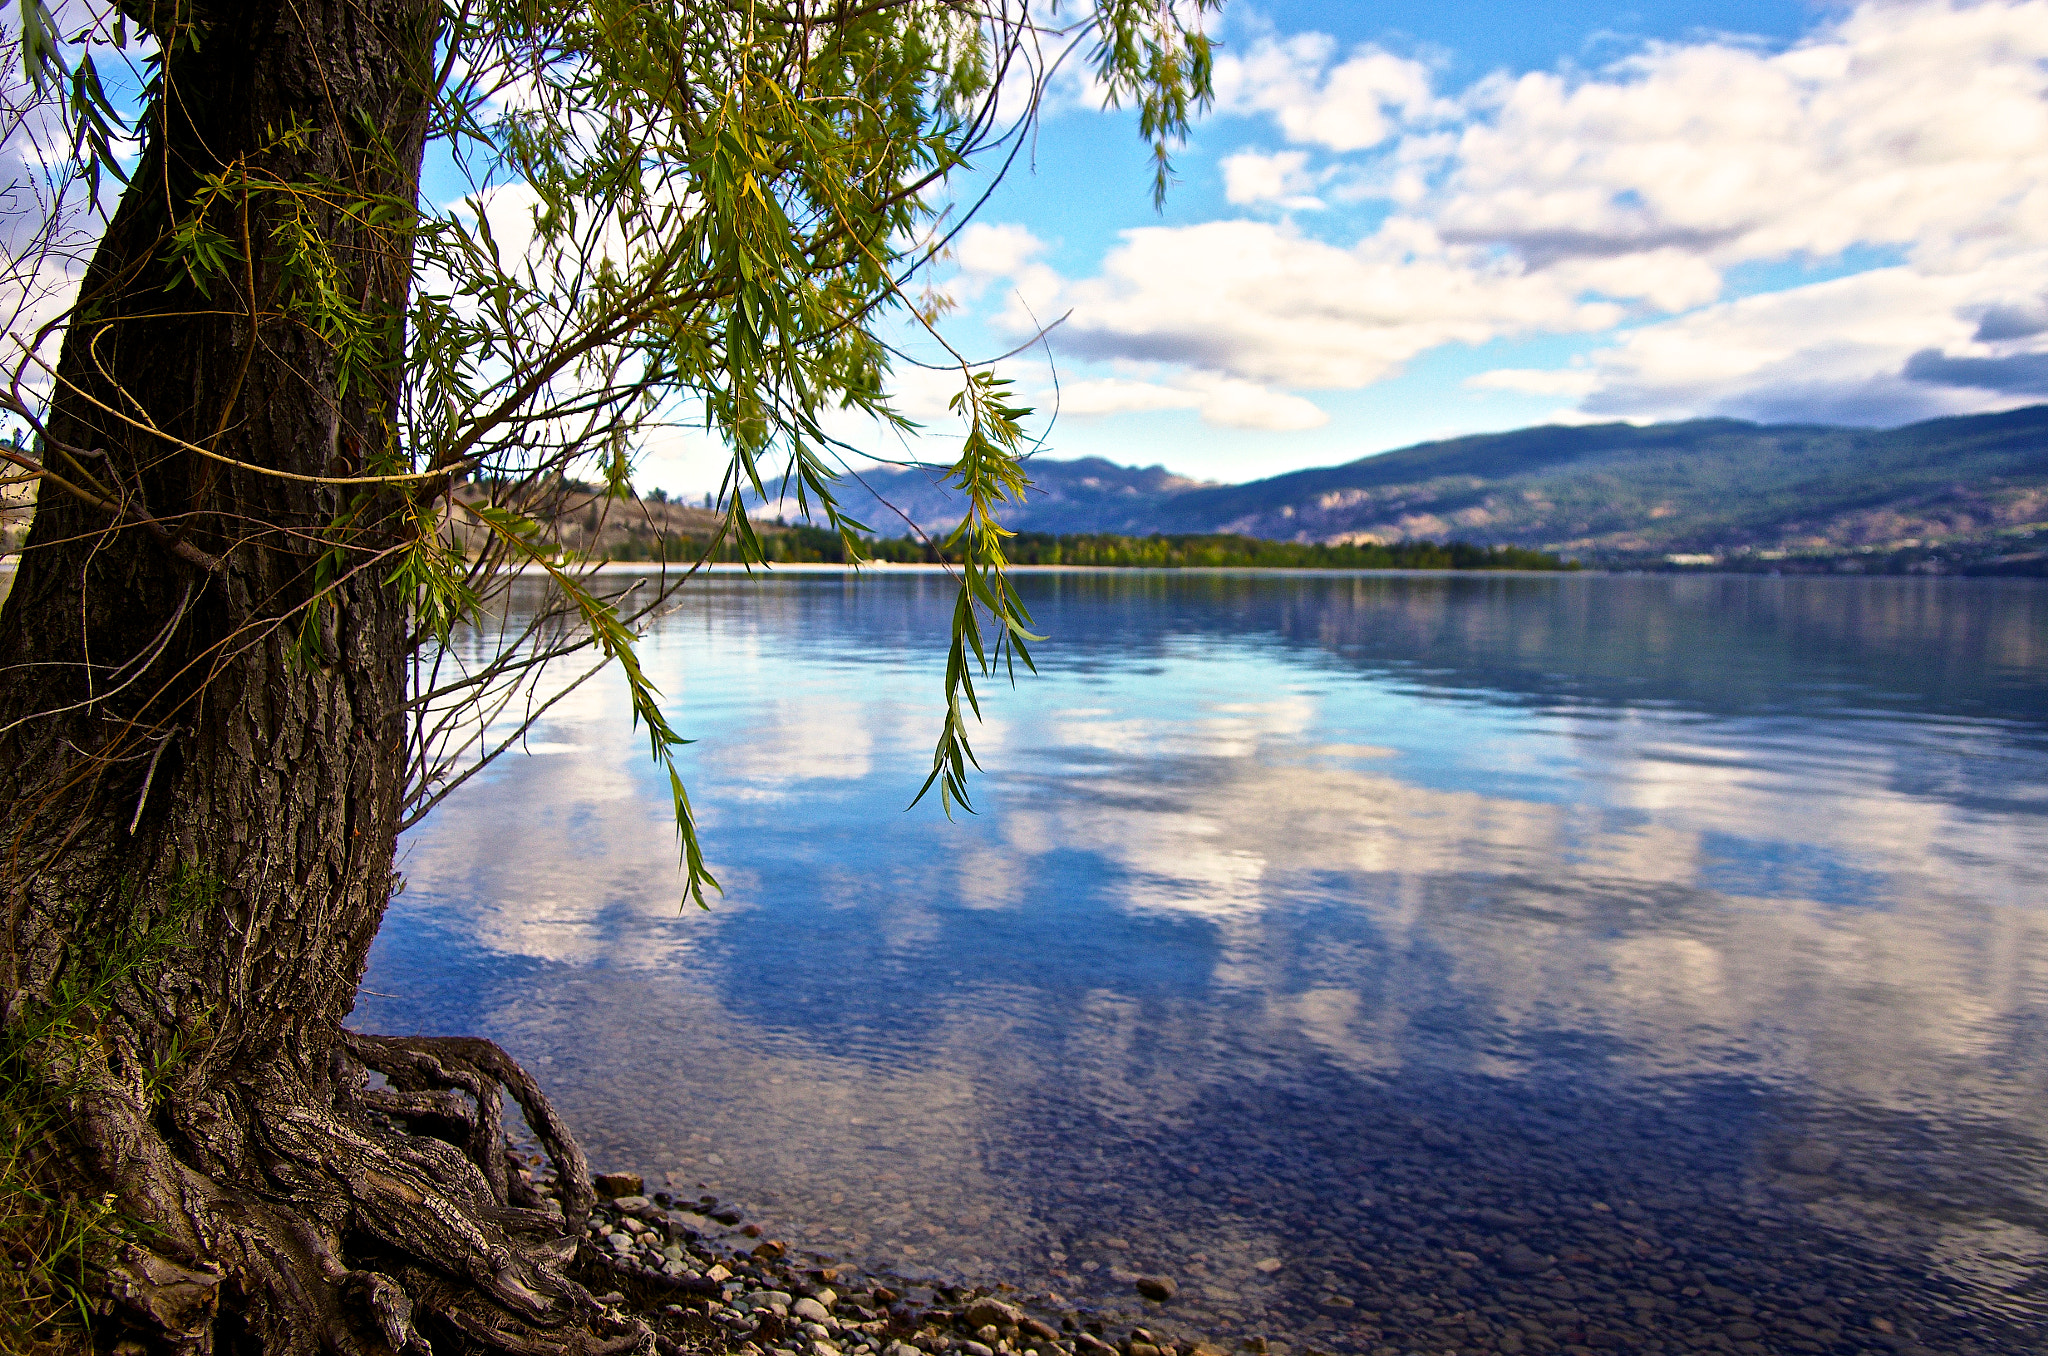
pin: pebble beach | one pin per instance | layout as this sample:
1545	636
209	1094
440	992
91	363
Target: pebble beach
1595	1279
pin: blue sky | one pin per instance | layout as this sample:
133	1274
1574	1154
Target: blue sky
1407	221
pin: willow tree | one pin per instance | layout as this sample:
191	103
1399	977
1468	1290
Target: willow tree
299	421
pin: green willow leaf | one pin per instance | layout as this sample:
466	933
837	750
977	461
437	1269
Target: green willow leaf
701	217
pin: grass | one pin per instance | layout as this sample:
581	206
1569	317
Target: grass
49	1237
53	1240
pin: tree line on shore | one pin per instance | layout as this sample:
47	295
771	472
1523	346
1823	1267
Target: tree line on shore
811	545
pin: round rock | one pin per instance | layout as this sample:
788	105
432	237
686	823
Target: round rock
1161	1288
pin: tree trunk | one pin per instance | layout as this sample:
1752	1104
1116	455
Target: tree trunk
189	744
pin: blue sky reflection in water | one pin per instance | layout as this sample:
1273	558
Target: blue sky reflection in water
1672	929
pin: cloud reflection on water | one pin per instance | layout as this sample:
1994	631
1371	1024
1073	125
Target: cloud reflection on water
1635	835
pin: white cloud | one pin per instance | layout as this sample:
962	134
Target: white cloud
1280	308
1667	279
1282	179
1574	202
995	250
1346	106
1836	350
988	253
1245	404
1917	129
1920	126
1123	395
1223	401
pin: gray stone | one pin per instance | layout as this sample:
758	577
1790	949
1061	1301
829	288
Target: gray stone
1518	1259
973	1348
811	1309
1160	1288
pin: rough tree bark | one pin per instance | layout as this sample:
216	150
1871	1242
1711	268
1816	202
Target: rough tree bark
157	730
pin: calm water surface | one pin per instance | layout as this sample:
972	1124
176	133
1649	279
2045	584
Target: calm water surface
1400	963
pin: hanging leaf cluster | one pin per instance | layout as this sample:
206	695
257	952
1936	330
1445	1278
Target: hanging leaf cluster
639	218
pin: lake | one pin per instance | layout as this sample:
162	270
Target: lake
1399	963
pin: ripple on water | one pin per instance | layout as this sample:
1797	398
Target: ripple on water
1409	965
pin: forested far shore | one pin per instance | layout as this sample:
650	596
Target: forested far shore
813	545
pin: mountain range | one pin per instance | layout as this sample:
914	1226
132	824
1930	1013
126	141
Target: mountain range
1972	489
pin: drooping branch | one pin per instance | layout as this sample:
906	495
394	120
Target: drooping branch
244	512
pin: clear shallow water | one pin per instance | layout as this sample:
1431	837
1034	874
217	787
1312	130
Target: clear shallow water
1685	938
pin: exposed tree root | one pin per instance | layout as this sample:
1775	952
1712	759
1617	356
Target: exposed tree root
384	1222
424	1064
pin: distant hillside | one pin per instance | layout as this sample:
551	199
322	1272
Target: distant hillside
1088	495
1965	490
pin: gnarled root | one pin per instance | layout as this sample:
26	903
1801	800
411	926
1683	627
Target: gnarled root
383	1222
424	1065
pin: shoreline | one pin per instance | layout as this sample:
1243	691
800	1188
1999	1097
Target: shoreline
679	570
704	1277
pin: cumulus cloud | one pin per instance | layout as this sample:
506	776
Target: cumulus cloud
1534	381
1920	126
1316	99
1572	202
988	253
1842	350
1279	307
989	250
1222	401
1282	179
